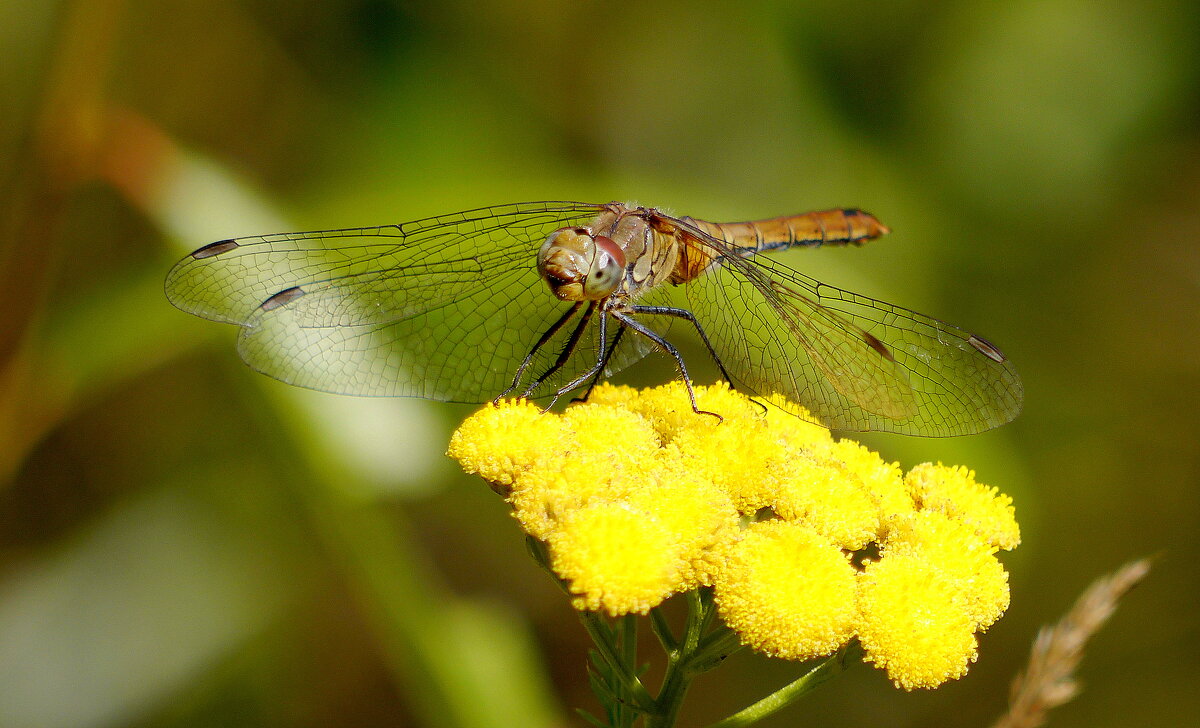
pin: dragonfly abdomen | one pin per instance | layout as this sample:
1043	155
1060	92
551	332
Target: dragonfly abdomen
823	227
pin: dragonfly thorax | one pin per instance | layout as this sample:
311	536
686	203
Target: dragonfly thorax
579	266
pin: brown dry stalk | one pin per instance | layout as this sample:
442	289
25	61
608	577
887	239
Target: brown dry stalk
1049	680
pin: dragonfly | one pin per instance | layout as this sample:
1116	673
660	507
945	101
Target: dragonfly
540	299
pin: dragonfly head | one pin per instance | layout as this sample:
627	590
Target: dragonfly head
579	266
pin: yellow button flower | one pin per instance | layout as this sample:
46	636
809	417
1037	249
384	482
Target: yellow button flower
963	557
882	481
788	591
824	494
554	487
701	516
601	454
671	412
953	491
742	459
616	559
501	441
913	622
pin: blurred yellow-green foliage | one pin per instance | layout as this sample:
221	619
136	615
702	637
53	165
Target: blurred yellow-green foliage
184	542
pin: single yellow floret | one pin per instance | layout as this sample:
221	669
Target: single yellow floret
787	591
823	494
953	491
953	547
913	622
616	559
500	441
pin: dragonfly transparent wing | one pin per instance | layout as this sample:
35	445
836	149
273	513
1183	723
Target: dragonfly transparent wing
445	308
856	363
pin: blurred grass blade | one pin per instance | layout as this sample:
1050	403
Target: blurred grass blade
1050	679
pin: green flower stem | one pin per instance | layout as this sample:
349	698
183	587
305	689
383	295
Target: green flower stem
832	666
609	649
713	650
681	663
670	699
710	610
699	614
629	631
662	630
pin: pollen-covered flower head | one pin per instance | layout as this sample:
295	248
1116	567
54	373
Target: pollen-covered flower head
937	581
953	547
953	491
788	591
616	558
501	441
638	497
913	622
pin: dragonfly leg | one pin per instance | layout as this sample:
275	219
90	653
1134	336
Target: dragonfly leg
546	336
603	363
563	355
687	315
666	346
601	359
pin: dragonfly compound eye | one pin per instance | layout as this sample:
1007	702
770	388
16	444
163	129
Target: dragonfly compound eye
607	269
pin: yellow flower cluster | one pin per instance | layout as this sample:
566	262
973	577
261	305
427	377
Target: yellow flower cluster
806	541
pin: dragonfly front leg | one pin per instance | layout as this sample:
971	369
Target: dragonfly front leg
687	315
596	368
545	337
565	354
603	363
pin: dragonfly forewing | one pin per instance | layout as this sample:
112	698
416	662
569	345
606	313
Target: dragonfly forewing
444	308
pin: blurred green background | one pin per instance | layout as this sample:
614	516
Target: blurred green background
184	542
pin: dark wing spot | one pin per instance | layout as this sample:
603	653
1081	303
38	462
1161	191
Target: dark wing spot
221	246
878	346
282	298
987	348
